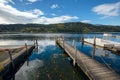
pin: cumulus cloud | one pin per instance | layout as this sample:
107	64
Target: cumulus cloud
107	10
37	12
86	21
54	20
8	14
54	6
11	15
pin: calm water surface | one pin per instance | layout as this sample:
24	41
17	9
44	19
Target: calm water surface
50	62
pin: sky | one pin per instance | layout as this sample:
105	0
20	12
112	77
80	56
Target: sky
106	12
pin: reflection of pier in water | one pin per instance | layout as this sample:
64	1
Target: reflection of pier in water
93	69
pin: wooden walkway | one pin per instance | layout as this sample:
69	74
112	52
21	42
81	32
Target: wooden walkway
10	62
93	69
105	44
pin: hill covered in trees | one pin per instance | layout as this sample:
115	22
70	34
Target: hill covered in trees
60	27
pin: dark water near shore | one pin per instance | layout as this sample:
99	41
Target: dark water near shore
50	62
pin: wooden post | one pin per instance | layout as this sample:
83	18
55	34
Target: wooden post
10	55
27	54
75	57
12	64
58	40
74	62
82	39
93	52
36	43
94	40
73	43
63	44
94	46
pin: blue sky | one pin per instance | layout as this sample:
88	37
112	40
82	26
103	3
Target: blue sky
59	11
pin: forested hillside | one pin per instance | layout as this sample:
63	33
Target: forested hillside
61	27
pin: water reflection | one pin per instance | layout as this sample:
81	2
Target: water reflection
105	57
29	72
47	63
50	62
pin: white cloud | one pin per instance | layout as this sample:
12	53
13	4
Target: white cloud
54	6
107	10
6	1
86	21
54	20
10	15
37	12
53	14
32	1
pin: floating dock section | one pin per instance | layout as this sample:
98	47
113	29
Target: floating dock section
110	45
101	42
93	69
12	59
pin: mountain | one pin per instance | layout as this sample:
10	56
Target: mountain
60	27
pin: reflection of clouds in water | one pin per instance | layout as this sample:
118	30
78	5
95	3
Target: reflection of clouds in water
56	55
29	72
43	44
16	42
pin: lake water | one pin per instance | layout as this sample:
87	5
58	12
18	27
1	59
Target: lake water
50	62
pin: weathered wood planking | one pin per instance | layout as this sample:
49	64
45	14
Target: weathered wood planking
93	69
18	58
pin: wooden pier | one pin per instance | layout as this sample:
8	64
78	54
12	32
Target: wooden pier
93	69
106	44
12	58
102	43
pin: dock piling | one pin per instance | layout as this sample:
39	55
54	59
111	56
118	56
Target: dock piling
75	57
82	40
12	64
94	41
27	54
73	43
94	47
11	59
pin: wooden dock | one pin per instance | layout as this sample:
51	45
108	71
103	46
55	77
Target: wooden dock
12	59
102	43
106	44
93	69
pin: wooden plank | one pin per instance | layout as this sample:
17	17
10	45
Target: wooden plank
18	58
